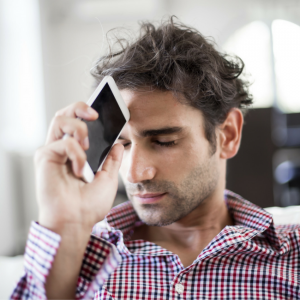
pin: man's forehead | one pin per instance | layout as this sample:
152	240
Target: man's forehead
155	105
148	99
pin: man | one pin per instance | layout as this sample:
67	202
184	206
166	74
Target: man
182	235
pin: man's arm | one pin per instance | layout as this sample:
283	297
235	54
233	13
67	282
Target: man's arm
68	206
100	260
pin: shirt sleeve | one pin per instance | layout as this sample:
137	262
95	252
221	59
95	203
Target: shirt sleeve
100	260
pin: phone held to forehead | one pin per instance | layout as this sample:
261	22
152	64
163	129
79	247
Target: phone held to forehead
103	132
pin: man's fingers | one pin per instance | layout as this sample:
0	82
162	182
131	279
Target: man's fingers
61	151
78	110
62	123
73	127
113	161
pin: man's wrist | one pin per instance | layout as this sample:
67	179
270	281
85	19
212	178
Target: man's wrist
63	227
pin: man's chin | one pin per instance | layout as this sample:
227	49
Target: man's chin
155	215
158	223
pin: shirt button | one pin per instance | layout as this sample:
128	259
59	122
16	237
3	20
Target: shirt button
179	288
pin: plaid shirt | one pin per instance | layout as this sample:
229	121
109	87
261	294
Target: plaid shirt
251	260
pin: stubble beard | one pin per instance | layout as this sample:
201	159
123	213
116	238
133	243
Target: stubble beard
180	200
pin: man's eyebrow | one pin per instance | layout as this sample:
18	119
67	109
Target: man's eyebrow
156	132
160	131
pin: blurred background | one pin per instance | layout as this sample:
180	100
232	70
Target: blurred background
47	48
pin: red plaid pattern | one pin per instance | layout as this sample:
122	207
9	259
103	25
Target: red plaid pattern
251	260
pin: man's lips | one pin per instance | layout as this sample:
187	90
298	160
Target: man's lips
149	197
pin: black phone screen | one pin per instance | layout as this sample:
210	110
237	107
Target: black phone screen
103	131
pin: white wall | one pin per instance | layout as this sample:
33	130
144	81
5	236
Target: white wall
9	211
22	120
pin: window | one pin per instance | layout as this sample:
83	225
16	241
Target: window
22	115
271	56
286	45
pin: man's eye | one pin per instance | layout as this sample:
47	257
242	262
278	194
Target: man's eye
126	145
165	144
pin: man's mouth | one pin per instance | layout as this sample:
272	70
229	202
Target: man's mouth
148	198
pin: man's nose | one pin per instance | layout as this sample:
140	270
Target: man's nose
140	166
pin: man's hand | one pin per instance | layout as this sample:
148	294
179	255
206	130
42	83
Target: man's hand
67	205
63	197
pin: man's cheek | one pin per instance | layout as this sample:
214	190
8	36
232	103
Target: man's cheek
123	171
123	166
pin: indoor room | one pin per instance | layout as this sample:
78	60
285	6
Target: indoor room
48	49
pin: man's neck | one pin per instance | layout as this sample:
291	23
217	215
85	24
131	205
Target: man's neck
190	235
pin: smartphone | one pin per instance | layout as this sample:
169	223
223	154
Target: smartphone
103	132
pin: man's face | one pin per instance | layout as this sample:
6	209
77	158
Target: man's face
167	167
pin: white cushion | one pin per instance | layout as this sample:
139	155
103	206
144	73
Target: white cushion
285	215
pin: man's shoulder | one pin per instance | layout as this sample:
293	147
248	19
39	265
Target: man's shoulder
121	219
101	228
285	229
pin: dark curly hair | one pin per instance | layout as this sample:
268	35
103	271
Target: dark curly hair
174	57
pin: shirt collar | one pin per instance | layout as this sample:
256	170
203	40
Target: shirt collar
246	213
251	216
124	218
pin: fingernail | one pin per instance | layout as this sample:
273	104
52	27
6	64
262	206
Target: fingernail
86	143
91	111
81	172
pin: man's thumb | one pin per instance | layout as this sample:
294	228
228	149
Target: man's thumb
113	160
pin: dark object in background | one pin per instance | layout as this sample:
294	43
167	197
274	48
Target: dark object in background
286	160
287	177
286	129
250	172
266	169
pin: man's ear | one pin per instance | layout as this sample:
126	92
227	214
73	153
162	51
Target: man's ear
230	133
